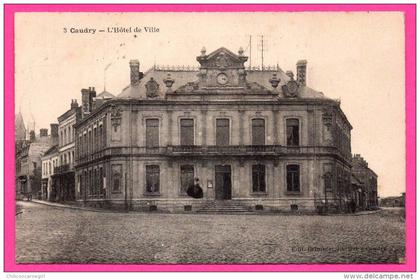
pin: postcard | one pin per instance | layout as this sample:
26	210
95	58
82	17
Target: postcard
210	137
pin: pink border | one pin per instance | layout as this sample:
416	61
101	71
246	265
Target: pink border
9	195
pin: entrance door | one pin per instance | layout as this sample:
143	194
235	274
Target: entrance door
223	181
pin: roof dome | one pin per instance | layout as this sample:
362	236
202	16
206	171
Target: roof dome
105	95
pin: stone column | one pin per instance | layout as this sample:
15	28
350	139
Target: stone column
277	179
311	127
204	127
170	123
275	127
241	127
171	183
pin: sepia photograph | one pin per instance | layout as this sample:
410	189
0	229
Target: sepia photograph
210	137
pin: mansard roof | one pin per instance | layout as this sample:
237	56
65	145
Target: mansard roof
182	76
188	80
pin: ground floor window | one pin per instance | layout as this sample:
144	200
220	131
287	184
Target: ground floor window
258	178
187	177
116	177
152	178
293	181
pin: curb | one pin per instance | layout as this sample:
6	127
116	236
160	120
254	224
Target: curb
58	205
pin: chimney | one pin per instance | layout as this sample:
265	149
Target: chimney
32	136
87	100
74	104
54	129
301	72
43	132
134	72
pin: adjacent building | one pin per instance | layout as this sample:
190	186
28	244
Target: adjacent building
49	162
28	163
368	189
63	174
259	138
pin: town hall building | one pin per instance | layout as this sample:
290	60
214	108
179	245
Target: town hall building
254	138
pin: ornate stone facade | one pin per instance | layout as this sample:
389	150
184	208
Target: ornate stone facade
255	137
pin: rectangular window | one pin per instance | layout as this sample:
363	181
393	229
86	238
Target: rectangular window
222	132
187	177
293	180
85	184
100	136
89	179
89	149
94	180
152	133
187	132
80	147
116	170
152	178
95	139
258	132
84	144
81	184
258	178
292	127
101	182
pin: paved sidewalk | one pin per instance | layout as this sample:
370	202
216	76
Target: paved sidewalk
62	205
85	208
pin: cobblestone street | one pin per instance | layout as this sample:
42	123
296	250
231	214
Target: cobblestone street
47	234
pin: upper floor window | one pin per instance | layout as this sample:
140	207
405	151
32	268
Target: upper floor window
152	178
187	132
187	177
258	178
293	178
292	130
84	144
152	133
89	144
95	139
100	136
222	132
258	132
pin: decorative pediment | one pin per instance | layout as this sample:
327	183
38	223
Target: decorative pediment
222	58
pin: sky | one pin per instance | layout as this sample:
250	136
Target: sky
357	57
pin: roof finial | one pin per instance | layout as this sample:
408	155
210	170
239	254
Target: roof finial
203	51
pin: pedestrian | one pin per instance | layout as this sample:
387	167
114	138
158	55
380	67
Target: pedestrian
195	190
353	206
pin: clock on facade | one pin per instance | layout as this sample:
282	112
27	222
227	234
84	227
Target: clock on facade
222	79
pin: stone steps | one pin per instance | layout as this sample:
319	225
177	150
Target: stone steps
223	207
